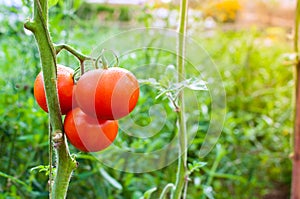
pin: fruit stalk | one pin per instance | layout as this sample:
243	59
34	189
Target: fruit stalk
65	164
295	192
182	171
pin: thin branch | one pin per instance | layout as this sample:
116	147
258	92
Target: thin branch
81	57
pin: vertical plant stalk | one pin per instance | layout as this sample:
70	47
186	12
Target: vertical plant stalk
182	170
295	192
65	164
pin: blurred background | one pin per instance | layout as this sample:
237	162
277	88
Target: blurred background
251	42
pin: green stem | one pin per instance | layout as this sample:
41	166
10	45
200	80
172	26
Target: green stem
167	188
65	164
295	191
182	170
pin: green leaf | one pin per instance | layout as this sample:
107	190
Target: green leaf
52	3
196	85
110	179
148	193
195	166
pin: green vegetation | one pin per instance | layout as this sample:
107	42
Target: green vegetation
250	160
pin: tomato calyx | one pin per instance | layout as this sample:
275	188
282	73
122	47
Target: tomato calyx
102	59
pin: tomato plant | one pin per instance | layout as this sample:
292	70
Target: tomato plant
65	84
87	133
109	94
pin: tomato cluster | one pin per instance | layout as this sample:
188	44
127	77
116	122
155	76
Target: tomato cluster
93	104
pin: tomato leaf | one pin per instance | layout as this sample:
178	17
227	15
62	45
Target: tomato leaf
110	179
195	84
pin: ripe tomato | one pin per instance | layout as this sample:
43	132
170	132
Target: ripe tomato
87	133
107	93
65	84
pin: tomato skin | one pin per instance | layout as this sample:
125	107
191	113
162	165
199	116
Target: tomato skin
65	84
87	133
107	93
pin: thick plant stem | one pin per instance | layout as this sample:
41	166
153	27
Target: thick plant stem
65	164
295	192
182	171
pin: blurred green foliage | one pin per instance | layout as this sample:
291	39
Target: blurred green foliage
250	160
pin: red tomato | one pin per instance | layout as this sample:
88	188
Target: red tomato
65	84
87	133
107	93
